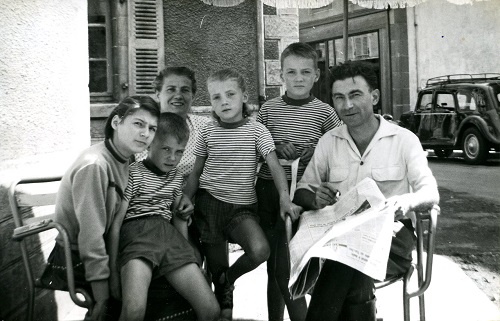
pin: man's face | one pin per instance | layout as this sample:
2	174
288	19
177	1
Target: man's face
166	153
299	75
354	100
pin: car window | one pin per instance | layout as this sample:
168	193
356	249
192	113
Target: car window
471	99
425	104
445	102
466	100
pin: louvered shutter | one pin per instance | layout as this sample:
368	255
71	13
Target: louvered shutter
146	45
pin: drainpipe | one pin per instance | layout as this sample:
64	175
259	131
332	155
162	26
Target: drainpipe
119	18
415	27
261	67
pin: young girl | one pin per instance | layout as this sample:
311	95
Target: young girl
227	151
90	195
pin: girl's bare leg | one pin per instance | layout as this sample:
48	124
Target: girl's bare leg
249	235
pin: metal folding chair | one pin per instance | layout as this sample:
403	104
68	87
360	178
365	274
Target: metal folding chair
22	204
426	221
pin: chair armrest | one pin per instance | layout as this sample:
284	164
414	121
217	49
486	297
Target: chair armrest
33	226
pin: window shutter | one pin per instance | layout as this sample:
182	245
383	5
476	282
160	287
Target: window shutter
146	45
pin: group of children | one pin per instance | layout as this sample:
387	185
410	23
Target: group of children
148	237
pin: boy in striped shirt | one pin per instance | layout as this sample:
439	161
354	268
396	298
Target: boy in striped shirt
296	121
150	246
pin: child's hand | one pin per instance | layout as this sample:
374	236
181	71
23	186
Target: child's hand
306	155
184	208
286	150
289	208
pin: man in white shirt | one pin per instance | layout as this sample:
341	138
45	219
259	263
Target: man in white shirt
366	146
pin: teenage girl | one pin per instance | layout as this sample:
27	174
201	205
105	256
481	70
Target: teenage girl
90	195
227	151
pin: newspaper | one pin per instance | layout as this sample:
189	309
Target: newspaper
356	231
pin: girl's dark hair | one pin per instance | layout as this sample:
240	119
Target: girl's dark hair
351	69
170	124
178	71
129	106
231	74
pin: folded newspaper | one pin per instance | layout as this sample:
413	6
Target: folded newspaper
356	231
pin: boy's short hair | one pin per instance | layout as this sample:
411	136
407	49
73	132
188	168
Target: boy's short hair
351	69
170	124
300	49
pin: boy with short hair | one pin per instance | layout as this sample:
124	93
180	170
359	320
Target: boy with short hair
150	246
296	121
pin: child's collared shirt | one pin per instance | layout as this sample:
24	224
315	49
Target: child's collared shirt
151	191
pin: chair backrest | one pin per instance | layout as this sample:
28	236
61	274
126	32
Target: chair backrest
32	202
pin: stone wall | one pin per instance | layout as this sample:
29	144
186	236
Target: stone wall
281	28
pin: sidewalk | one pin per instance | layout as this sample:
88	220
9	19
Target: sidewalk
452	295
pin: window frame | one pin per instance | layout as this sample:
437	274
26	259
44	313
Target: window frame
108	95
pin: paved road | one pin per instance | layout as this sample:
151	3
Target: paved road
477	180
469	225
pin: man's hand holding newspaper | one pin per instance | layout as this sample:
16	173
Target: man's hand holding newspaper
356	231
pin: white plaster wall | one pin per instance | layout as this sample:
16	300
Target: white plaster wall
44	100
451	39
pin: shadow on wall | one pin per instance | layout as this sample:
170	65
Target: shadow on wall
14	284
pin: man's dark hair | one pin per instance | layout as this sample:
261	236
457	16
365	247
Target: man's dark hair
352	69
170	124
300	49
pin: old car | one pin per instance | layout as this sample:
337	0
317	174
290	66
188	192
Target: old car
458	112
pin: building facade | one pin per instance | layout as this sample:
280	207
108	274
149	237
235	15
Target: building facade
65	65
407	45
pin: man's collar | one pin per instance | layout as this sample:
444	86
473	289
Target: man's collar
384	129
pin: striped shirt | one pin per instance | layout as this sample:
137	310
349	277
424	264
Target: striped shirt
300	122
232	152
151	191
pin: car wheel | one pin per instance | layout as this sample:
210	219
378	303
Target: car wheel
443	153
474	147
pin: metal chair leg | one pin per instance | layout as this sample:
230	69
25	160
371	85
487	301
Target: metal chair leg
31	283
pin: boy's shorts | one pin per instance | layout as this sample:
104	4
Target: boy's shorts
269	205
216	219
157	241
